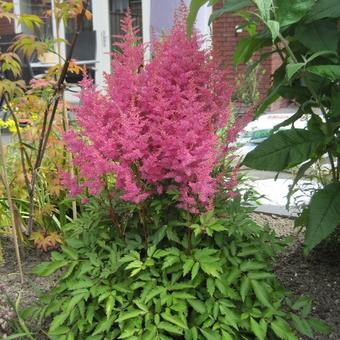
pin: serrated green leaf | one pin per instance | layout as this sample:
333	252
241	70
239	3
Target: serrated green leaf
82	283
282	329
183	295
244	287
103	326
198	306
252	265
109	305
226	336
167	326
187	266
320	326
261	293
59	332
210	286
70	252
260	275
177	321
257	329
210	334
153	293
74	301
150	334
302	326
130	315
194	270
58	321
48	268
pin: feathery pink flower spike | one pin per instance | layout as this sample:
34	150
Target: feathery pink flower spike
155	127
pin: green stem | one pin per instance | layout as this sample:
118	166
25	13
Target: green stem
48	123
142	217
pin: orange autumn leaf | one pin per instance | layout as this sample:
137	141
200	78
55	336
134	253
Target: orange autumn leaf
44	241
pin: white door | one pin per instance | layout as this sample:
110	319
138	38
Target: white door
101	24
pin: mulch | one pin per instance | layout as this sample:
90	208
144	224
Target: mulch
317	275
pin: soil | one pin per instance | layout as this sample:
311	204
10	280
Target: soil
317	275
10	287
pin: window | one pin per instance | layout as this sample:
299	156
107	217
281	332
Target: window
87	26
39	8
118	9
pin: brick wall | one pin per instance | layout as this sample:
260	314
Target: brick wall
5	26
225	40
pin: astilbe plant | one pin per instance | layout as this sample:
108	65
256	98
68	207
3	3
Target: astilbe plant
155	126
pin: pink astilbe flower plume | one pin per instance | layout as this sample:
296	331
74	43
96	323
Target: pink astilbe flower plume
155	126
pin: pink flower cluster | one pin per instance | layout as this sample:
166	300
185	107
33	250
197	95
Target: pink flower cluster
155	126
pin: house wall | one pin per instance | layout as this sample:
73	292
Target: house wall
162	14
6	27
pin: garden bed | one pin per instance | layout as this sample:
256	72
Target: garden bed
317	276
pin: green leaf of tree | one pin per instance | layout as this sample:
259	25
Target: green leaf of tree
290	11
245	48
274	27
195	6
331	72
319	36
324	215
284	149
291	69
323	9
229	6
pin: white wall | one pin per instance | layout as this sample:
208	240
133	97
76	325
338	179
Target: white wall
162	14
101	24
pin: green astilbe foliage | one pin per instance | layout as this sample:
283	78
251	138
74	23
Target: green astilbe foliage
210	281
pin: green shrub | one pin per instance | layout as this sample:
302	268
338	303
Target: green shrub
211	281
305	35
